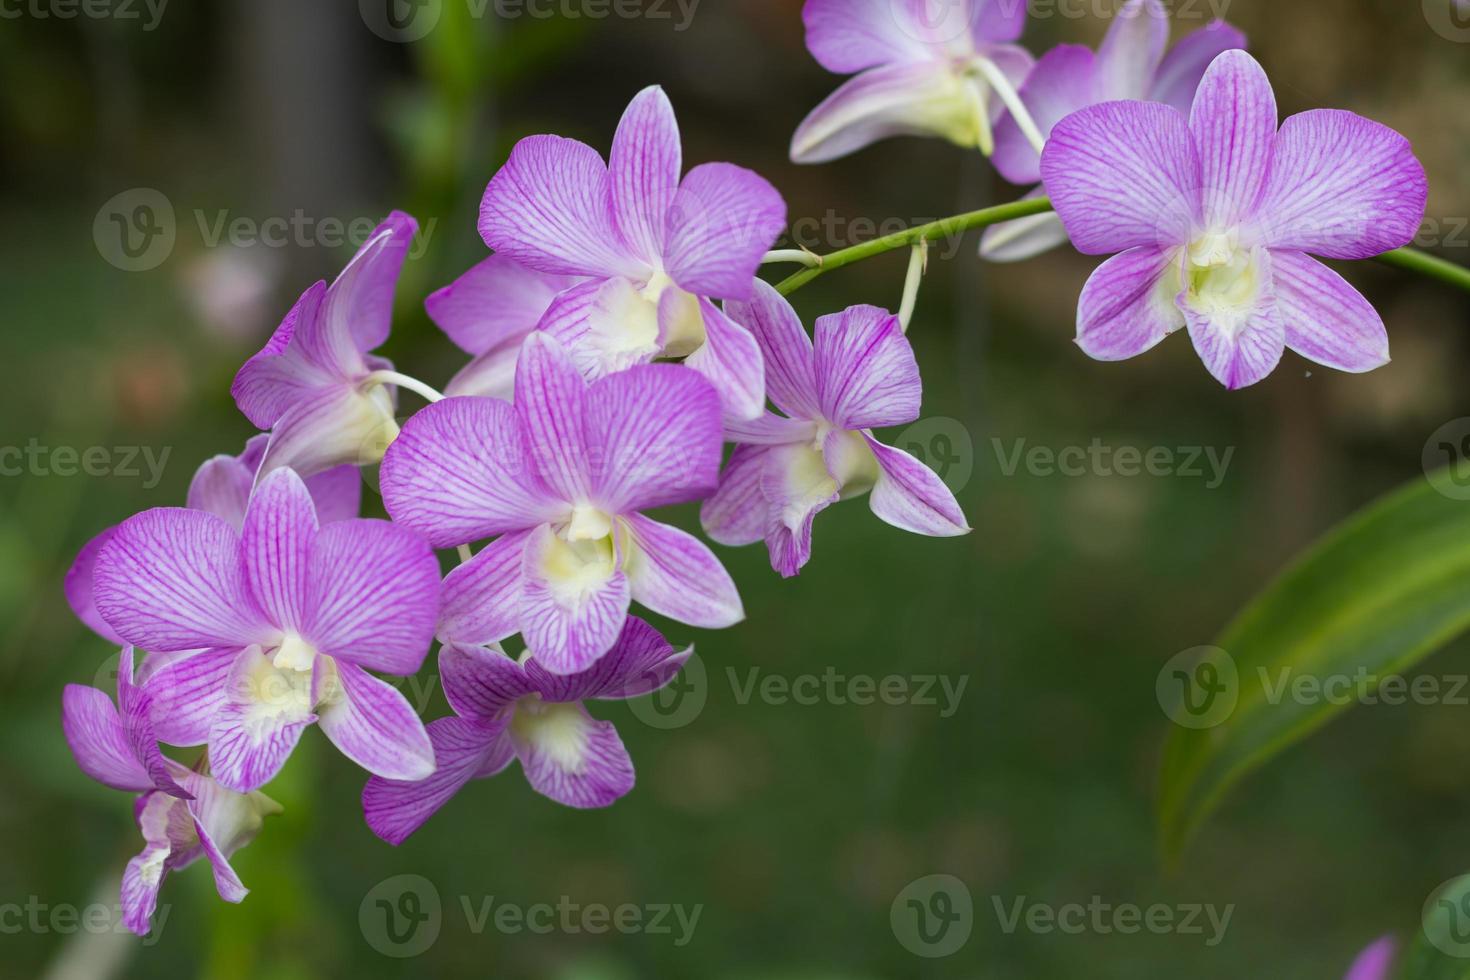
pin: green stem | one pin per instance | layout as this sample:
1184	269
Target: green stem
1430	266
1410	259
957	225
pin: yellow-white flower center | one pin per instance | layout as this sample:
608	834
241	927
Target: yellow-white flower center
559	730
1221	279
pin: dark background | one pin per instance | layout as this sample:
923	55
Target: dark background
794	826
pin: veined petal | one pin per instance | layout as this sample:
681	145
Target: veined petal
569	757
479	682
1123	174
1326	319
79	583
482	597
265	710
372	595
1179	76
298	359
655	435
136	709
336	493
373	724
458	473
724	220
395	809
785	348
1132	50
1242	342
574	600
1234	125
920	98
187	690
798	486
162	819
1063	81
224	822
491	375
497	301
736	514
643	171
359	304
1341	186
865	369
221	486
640	662
275	541
676	575
95	733
1128	304
550	208
336	426
731	359
172	579
911	496
770	430
549	405
605	325
847	36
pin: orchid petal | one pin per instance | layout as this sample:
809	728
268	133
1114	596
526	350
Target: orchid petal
643	171
676	575
1132	50
264	712
572	605
731	360
171	579
79	586
847	36
1326	319
495	302
1234	125
641	662
736	514
549	208
1242	344
482	597
335	426
275	539
458	473
1121	175
571	758
1178	78
723	221
1128	304
655	431
785	348
865	369
549	404
372	595
912	497
480	683
1342	187
1063	81
95	733
920	98
372	723
395	809
187	690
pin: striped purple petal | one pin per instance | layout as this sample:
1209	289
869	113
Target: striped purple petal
372	723
464	749
675	574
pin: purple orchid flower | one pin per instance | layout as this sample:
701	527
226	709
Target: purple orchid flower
507	710
1214	216
325	399
1129	65
183	815
859	374
924	69
220	486
488	312
562	478
290	615
654	249
1375	962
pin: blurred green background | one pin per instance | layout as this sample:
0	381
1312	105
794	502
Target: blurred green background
793	826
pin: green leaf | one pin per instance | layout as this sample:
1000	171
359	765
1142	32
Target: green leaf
1442	949
1374	597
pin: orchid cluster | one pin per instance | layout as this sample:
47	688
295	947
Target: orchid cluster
625	357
